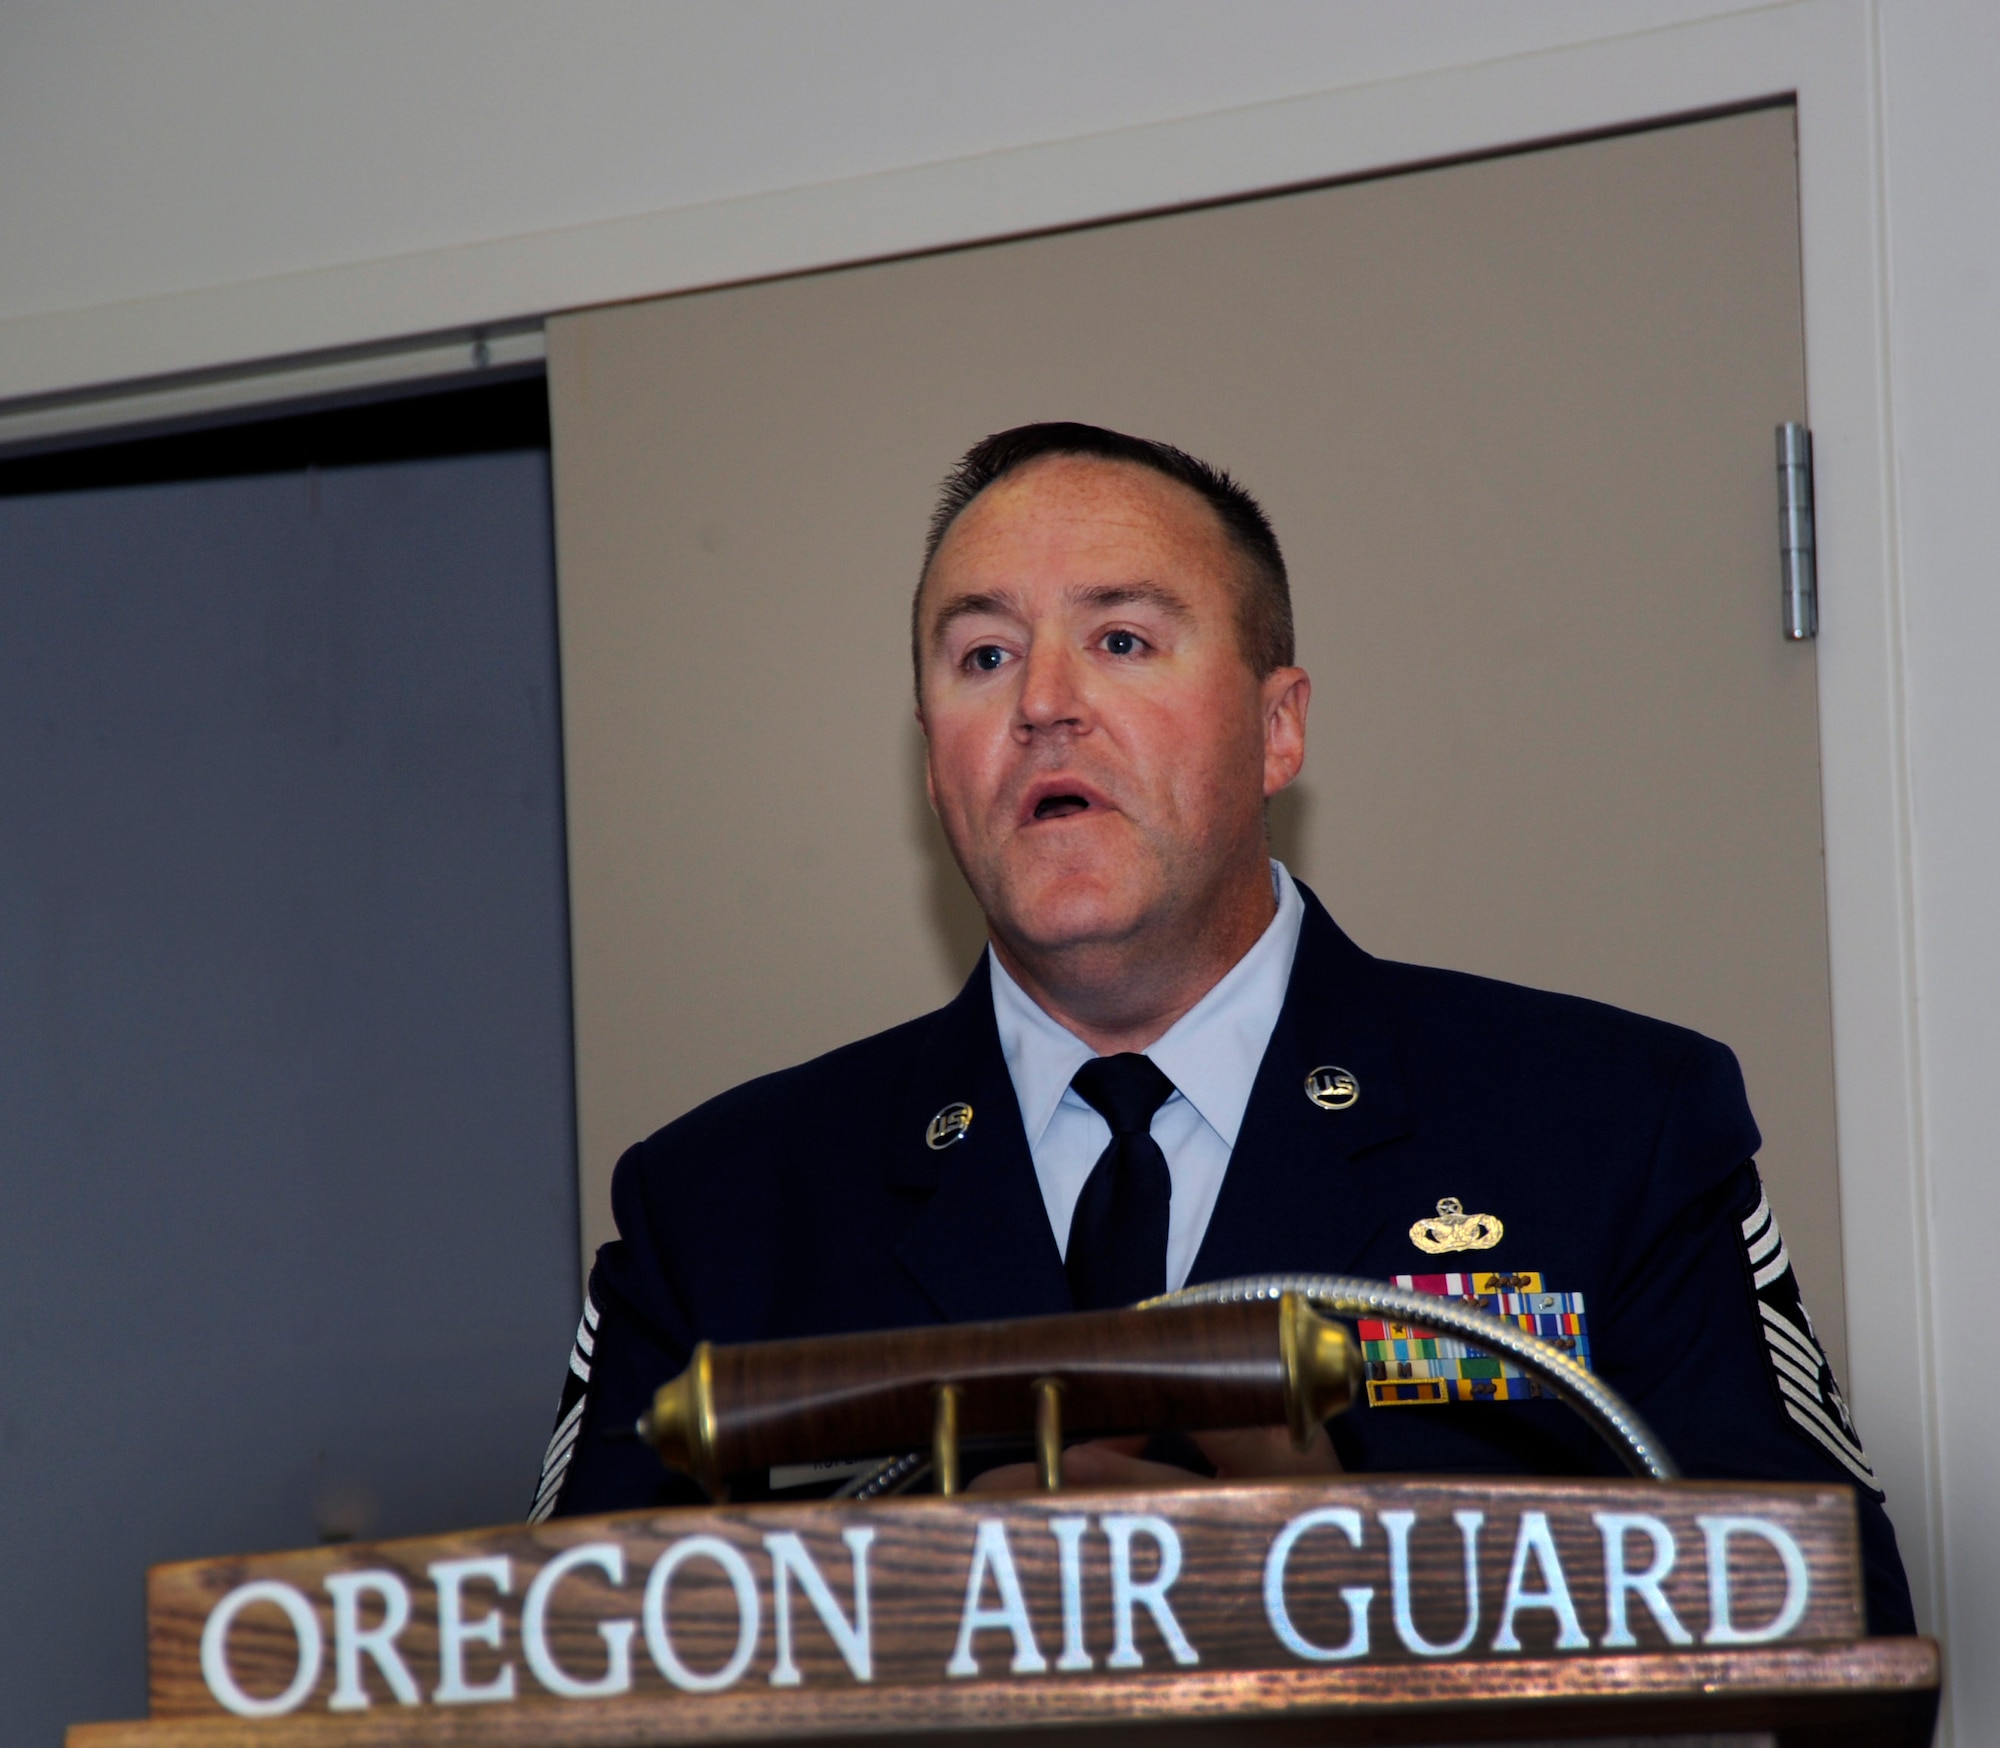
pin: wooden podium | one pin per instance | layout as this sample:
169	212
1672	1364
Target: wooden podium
1338	1611
1383	1610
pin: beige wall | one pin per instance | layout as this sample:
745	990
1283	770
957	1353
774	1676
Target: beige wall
1513	421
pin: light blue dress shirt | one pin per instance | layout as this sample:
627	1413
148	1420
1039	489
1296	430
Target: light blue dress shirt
1211	1054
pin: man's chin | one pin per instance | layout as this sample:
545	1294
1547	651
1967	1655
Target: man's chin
1074	916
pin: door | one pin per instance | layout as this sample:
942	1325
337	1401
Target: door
287	1125
1513	422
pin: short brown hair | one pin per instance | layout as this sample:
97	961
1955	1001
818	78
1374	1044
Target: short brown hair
1263	604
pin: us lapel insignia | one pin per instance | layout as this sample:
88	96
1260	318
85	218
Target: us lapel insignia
949	1125
1452	1228
1332	1089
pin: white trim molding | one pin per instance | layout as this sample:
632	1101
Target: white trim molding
1821	52
1354	130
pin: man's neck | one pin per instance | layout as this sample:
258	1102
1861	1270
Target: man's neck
1128	995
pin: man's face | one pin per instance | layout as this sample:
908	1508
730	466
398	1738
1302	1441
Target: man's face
1099	749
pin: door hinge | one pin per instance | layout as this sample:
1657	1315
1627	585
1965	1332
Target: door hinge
1798	569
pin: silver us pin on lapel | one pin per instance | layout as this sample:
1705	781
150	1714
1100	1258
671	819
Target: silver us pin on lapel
1332	1089
948	1126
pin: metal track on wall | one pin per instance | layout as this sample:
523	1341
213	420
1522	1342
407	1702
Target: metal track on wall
172	403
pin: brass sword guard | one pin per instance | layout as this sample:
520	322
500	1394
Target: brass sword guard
680	1424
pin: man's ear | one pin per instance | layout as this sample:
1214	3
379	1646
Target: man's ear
1286	696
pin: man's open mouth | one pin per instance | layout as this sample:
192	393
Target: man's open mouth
1060	806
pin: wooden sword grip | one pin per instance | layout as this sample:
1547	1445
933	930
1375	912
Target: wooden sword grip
1188	1367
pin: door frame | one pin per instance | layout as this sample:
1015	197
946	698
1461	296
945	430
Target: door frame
1825	57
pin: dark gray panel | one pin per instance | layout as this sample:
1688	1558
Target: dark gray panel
288	1236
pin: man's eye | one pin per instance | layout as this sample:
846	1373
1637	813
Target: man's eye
1121	643
986	658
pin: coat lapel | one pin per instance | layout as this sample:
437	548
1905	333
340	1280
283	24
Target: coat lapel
1308	1188
982	1247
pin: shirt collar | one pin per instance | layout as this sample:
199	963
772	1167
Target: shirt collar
1211	1053
1042	1055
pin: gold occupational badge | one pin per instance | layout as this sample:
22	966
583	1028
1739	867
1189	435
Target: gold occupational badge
949	1125
1452	1228
1332	1089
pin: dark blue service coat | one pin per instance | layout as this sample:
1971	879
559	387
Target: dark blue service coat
1616	1150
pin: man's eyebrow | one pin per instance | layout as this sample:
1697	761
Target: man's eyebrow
995	604
1140	594
1003	604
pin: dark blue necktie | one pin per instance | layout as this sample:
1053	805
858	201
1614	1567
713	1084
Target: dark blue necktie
1117	1252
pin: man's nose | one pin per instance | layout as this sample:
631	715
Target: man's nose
1051	695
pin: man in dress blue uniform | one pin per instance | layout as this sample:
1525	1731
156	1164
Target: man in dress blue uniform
1171	1066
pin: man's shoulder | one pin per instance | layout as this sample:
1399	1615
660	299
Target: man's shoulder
1485	1044
1521	1017
1481	1019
